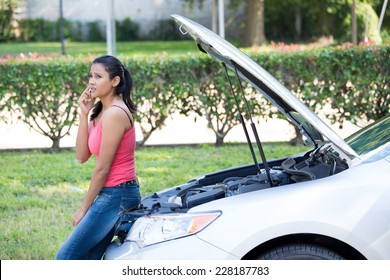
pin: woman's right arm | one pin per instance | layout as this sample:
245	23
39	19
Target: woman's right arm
82	151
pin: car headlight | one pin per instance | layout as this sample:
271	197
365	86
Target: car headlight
152	229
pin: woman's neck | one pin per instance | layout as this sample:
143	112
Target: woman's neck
109	101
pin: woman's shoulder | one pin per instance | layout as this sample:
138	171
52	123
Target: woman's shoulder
118	113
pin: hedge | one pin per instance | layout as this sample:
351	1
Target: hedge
354	82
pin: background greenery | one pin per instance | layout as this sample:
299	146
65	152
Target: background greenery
40	192
352	82
303	22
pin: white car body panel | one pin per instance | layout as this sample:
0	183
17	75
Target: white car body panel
359	208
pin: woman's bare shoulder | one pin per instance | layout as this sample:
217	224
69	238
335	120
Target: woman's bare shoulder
117	115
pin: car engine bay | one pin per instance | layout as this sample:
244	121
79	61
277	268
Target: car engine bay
320	163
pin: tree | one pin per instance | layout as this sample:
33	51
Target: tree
44	95
213	98
254	19
7	8
217	105
158	91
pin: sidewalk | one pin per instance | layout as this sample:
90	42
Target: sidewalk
177	130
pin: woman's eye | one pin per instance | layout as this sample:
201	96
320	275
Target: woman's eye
90	76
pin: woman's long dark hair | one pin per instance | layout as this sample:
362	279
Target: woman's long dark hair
115	68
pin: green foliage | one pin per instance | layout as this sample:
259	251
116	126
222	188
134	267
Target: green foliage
362	89
43	30
7	8
37	30
127	30
353	81
367	22
95	31
212	97
44	93
160	86
346	83
284	20
40	29
324	18
215	100
165	30
40	192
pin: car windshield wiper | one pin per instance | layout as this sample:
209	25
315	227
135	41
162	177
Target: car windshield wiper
254	130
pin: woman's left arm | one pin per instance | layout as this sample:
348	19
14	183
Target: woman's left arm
114	126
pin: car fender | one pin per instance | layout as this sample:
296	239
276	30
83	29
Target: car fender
344	207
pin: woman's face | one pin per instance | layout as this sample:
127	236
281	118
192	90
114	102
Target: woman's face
100	83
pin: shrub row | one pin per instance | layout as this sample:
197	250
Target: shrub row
354	82
43	30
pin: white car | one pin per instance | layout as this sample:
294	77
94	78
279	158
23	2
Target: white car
332	202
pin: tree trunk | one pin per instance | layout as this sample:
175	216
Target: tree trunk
254	32
353	19
298	22
219	140
297	140
55	148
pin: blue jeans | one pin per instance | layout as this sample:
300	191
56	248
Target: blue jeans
93	234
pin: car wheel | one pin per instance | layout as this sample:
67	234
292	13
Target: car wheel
300	252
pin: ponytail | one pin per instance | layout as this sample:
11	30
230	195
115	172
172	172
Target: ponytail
126	90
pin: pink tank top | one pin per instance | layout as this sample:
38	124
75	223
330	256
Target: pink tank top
123	166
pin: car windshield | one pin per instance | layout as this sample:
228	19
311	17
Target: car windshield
371	137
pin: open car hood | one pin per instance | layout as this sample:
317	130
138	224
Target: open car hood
310	124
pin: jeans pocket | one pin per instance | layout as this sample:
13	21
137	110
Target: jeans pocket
100	203
128	203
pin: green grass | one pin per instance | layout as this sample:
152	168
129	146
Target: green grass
39	192
99	48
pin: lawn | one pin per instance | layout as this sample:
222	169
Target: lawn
99	48
39	192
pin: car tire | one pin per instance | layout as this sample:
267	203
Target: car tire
300	252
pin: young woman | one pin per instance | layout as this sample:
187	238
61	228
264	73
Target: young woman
110	136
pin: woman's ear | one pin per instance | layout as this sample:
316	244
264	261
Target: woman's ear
116	81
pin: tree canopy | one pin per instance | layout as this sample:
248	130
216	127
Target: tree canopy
303	20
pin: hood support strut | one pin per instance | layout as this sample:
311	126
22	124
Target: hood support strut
253	126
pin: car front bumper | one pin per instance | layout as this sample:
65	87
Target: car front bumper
188	248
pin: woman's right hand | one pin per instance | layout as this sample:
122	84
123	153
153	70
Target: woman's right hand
77	217
86	101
